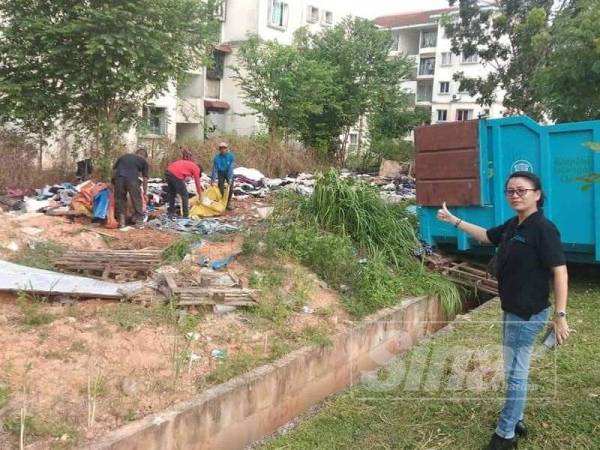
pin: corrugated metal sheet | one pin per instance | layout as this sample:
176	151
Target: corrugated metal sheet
447	164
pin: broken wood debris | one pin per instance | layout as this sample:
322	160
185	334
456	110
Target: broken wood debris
465	273
209	295
110	261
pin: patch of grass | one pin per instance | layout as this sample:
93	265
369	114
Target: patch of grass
40	254
3	395
392	414
318	336
31	308
130	315
178	249
234	366
37	427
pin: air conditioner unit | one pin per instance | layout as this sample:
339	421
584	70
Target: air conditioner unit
455	97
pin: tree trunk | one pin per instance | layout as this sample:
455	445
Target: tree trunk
41	152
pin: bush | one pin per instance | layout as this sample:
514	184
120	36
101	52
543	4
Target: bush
346	221
272	159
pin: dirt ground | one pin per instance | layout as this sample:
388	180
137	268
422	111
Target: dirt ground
85	368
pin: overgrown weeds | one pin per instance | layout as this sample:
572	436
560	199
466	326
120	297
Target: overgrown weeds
31	309
356	243
40	254
177	250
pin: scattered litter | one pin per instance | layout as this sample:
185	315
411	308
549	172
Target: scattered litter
192	336
218	264
219	354
264	211
307	310
12	246
193	358
221	310
204	227
203	261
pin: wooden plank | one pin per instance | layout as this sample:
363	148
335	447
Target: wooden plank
170	283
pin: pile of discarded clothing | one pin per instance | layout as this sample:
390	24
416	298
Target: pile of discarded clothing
49	197
204	226
400	188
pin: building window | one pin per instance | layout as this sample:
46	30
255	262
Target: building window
279	14
428	39
473	59
442	115
427	66
444	87
212	89
312	15
424	92
464	114
215	70
221	10
327	18
155	121
446	59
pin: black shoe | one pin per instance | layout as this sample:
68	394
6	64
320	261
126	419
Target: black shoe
499	443
521	429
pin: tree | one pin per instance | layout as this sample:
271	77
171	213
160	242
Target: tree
568	79
504	37
282	84
318	88
364	73
98	63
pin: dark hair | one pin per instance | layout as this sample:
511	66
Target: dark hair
187	154
141	151
535	181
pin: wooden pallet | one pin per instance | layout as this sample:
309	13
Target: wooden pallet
110	261
208	295
465	273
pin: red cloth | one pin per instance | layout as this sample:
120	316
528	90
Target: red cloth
184	168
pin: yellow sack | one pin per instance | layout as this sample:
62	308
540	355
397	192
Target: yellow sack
211	203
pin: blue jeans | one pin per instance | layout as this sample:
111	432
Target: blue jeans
518	338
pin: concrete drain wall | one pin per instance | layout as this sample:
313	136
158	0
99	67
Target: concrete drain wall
251	406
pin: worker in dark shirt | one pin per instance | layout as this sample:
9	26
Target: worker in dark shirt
126	178
529	254
176	174
222	170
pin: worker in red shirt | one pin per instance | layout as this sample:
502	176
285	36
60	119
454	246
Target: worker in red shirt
176	174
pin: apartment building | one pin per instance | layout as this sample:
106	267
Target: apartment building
421	36
210	101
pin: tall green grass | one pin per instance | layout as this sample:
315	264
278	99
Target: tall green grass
345	221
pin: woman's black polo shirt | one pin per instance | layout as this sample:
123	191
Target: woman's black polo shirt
526	255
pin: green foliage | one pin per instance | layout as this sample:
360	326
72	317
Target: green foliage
356	243
40	427
95	64
283	84
40	254
320	86
316	336
177	250
568	80
505	38
31	308
3	395
355	209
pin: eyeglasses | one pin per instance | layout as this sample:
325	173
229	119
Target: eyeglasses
521	192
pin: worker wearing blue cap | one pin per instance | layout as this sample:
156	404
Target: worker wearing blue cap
222	170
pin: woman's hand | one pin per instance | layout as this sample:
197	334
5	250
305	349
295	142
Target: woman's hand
561	329
446	216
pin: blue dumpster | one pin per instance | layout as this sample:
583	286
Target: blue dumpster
467	164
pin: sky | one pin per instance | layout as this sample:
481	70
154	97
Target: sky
373	8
